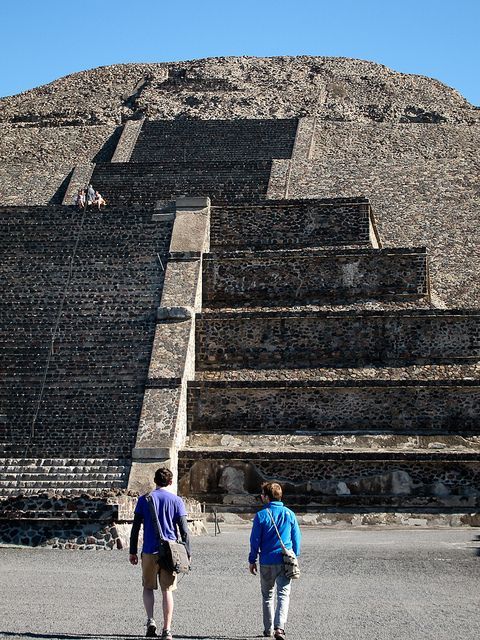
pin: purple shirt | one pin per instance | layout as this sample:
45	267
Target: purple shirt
170	509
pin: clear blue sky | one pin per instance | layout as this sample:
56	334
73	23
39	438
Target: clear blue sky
41	40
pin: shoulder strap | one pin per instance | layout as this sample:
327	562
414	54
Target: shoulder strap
276	529
154	514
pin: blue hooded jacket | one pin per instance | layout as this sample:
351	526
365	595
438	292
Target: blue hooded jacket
264	538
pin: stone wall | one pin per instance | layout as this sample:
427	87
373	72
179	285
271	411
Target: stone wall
341	407
36	162
283	224
73	522
411	480
245	279
214	140
296	340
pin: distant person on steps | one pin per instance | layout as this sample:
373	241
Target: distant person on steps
90	195
99	200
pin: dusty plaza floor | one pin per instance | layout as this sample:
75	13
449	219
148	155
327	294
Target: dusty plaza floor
358	583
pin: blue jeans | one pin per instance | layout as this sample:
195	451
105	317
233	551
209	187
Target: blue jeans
272	575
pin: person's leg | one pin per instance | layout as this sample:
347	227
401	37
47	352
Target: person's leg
168	584
148	602
167	609
267	586
283	598
149	577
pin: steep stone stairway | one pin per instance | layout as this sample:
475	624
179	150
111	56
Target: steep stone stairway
321	362
70	407
214	140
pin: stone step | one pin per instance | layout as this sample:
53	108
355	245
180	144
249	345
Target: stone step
308	441
338	407
318	478
427	372
72	483
314	339
252	279
90	463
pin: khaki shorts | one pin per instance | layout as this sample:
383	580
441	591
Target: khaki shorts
151	569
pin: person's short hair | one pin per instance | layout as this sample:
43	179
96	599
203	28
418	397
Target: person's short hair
163	477
272	490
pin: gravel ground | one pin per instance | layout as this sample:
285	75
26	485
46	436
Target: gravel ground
359	583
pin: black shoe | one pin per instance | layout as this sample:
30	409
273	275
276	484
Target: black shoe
268	634
151	628
279	634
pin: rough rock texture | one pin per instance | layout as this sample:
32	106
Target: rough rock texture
407	142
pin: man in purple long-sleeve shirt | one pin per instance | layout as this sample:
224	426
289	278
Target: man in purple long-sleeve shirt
264	539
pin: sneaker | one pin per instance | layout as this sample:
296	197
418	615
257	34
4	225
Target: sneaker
279	634
167	634
268	634
151	628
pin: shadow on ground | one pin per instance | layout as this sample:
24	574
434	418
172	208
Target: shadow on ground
112	636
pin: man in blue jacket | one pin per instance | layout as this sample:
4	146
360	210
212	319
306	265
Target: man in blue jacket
264	539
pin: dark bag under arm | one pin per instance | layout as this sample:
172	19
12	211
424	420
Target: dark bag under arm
172	555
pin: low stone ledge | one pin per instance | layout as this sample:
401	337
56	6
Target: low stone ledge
188	203
341	520
312	252
364	313
343	455
339	384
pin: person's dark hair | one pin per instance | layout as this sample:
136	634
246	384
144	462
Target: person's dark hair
272	490
163	477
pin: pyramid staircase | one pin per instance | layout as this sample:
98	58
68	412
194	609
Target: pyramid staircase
321	363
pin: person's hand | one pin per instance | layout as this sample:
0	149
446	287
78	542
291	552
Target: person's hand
133	558
253	569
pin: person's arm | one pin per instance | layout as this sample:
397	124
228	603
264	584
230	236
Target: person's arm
254	545
183	529
137	523
296	535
